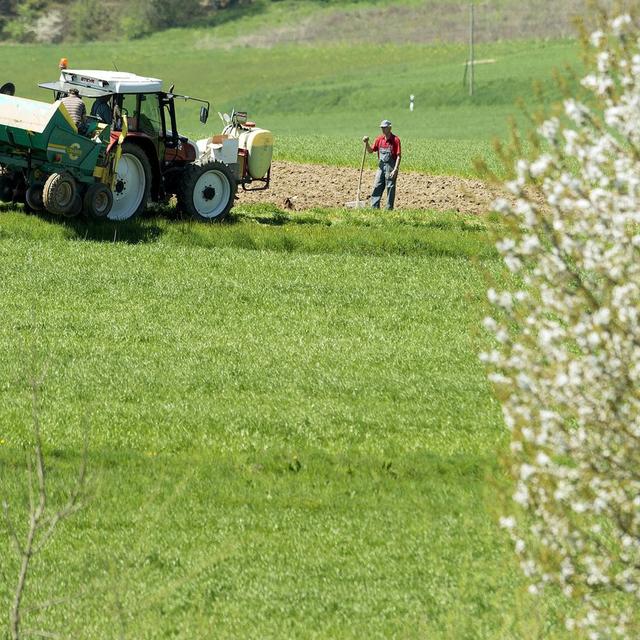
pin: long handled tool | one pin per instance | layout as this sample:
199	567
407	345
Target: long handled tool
357	203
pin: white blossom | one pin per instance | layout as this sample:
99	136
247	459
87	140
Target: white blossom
574	110
549	129
567	359
540	165
508	523
501	205
620	23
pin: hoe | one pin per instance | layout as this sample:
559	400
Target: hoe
357	203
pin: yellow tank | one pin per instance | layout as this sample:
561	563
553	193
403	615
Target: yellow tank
259	145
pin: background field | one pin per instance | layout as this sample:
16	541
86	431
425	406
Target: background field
321	99
289	431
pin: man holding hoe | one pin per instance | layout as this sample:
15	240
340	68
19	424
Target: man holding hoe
388	147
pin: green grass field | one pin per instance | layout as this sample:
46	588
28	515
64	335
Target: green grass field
289	431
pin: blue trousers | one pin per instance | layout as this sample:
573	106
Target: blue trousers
381	181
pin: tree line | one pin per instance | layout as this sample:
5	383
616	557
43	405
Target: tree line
54	21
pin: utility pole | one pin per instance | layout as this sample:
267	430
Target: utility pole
471	52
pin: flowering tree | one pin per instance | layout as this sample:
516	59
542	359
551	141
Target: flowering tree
567	362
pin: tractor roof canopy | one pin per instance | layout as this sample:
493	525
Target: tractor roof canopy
94	83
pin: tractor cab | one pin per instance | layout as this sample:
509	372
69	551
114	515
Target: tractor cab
150	111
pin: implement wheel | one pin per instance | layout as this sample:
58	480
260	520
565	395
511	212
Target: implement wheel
133	183
34	197
59	194
76	207
207	191
8	182
98	200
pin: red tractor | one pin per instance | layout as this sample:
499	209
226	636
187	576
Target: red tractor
156	162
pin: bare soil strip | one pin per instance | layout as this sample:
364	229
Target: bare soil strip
306	186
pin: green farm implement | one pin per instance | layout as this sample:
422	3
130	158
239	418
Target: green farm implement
49	164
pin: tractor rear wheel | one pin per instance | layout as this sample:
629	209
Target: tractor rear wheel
132	184
207	191
59	194
98	200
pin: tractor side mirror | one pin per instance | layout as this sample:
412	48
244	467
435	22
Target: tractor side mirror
204	114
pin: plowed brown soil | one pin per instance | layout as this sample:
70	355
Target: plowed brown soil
305	186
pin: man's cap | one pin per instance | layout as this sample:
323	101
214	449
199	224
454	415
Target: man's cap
385	123
74	91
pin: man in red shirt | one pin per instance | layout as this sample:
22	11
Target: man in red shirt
388	147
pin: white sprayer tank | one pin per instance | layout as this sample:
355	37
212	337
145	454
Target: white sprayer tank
259	146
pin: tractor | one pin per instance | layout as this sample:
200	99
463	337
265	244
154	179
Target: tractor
133	148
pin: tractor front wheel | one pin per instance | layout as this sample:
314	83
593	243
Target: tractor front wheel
59	194
207	191
133	183
98	200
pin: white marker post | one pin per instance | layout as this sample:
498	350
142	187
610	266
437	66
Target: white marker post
472	28
411	97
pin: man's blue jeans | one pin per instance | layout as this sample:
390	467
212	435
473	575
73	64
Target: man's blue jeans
381	181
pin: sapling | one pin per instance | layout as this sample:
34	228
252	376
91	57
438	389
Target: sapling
42	522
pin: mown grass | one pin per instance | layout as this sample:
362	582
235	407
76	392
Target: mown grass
291	433
266	227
